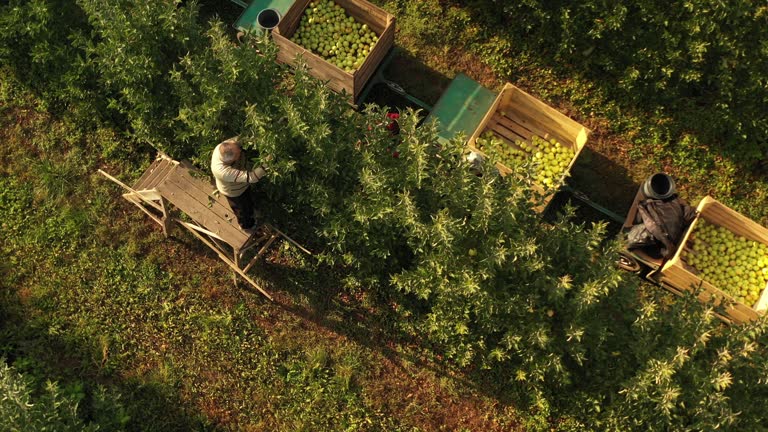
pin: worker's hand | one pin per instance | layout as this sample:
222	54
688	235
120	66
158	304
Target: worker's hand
265	160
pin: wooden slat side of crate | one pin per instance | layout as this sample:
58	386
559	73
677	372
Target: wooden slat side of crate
538	115
367	13
486	119
720	214
376	56
677	278
378	20
516	115
290	22
338	79
678	273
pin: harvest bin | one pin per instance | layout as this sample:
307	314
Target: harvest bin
517	116
677	274
377	19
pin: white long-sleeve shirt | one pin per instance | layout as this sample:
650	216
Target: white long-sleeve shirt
232	180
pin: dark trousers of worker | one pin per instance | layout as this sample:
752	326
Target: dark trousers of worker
243	207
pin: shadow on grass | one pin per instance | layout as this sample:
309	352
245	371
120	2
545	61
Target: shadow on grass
415	77
106	398
317	295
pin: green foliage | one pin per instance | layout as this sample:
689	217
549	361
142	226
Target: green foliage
51	411
433	22
47	56
689	372
216	84
135	46
314	386
52	408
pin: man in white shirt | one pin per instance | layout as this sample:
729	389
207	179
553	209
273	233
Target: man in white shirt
233	180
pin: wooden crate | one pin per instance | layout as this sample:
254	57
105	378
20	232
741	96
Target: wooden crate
377	19
517	116
680	276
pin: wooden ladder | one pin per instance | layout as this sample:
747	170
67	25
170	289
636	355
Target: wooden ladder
171	184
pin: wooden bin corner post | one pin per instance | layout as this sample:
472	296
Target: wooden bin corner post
483	125
383	24
377	19
678	274
517	116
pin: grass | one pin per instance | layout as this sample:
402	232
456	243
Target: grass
94	297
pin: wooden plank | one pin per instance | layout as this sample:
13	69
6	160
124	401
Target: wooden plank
375	57
216	213
505	127
581	141
537	129
146	194
549	117
513	126
481	127
507	134
734	221
215	237
158	174
166	216
732	313
337	79
762	303
491	124
290	22
133	194
237	264
203	192
191	203
540	118
152	167
263	249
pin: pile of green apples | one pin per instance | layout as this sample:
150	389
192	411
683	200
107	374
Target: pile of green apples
728	261
500	151
326	30
549	159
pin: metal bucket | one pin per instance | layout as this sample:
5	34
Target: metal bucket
659	186
268	19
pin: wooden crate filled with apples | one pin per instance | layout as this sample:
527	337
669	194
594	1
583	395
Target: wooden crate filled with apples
342	41
521	129
726	254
